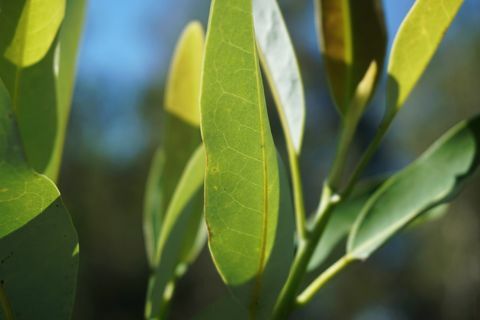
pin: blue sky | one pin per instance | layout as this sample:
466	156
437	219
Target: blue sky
127	46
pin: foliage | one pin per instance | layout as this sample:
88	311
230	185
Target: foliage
38	243
248	204
217	171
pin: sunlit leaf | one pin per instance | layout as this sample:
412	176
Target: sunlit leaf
436	177
281	68
242	184
35	23
250	230
41	92
416	42
180	134
178	234
352	36
183	86
38	244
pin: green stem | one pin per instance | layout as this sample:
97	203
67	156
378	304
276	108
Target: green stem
335	177
369	153
286	299
297	192
307	294
6	306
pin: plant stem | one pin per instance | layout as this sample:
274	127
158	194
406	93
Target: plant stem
368	154
323	278
336	172
286	299
5	304
297	191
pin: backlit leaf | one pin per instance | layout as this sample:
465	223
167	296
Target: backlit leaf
416	42
41	92
36	23
242	184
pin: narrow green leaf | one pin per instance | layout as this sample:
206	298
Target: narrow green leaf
153	204
256	298
65	60
36	23
183	86
181	134
280	65
38	243
416	42
352	36
178	234
436	177
242	183
41	91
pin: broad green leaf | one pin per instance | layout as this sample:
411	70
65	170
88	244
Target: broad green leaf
41	92
181	134
281	68
417	40
242	183
352	36
178	234
435	178
36	23
256	298
38	244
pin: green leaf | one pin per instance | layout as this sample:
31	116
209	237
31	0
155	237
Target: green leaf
256	298
281	68
435	178
181	134
178	235
417	40
38	244
65	60
41	91
247	202
34	32
352	36
183	86
242	183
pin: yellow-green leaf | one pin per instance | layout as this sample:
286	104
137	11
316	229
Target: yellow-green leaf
183	87
415	43
41	93
35	29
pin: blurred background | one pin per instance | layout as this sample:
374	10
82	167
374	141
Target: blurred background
430	272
